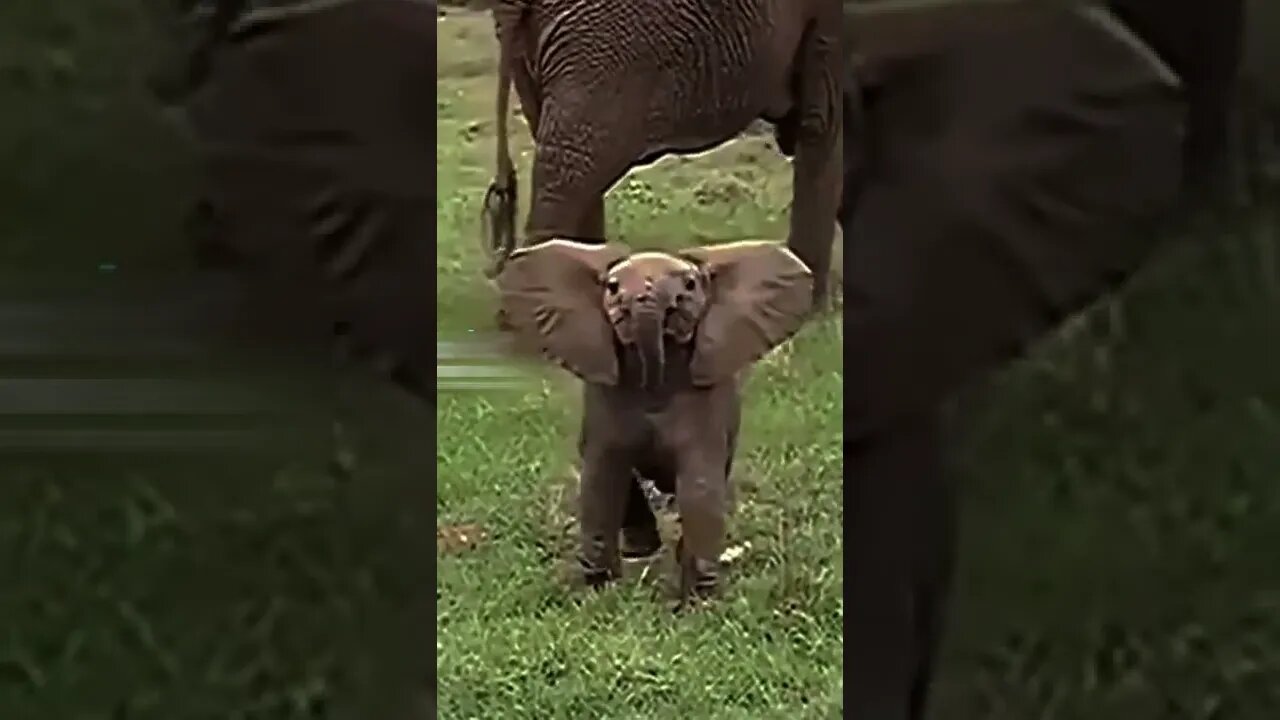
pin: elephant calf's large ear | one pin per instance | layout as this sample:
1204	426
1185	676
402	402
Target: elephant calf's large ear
760	294
552	298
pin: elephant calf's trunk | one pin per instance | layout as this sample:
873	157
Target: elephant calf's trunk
649	341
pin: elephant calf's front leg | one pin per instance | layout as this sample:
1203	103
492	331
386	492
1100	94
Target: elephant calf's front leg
701	496
602	502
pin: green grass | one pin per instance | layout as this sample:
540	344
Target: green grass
514	640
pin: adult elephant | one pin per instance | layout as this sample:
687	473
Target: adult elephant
606	87
609	86
998	186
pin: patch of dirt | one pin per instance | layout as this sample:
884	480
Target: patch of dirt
723	189
454	539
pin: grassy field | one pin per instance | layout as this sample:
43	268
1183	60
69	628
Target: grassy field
1122	492
513	640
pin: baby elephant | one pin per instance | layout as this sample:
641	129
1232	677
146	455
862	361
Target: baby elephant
659	340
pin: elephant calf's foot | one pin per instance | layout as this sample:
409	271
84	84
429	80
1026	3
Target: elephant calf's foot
594	576
599	562
699	578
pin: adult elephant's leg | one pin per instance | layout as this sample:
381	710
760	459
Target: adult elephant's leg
1202	43
818	165
855	146
531	98
899	513
1211	92
592	228
856	151
582	149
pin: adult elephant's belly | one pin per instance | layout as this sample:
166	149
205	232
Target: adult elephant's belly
687	145
709	93
699	129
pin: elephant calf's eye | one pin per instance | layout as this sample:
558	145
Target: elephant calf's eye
612	286
690	284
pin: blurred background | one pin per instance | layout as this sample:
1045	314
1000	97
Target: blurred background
1121	488
242	581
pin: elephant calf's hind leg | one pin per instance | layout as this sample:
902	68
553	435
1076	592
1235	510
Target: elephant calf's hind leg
640	536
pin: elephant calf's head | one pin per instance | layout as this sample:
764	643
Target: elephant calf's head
579	304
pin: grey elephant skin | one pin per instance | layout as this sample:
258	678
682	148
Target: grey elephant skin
1224	51
660	341
609	86
317	171
1213	46
1201	40
1002	185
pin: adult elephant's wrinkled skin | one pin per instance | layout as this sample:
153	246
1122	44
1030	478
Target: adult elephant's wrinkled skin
609	86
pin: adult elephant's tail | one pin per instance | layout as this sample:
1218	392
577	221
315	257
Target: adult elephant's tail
501	200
